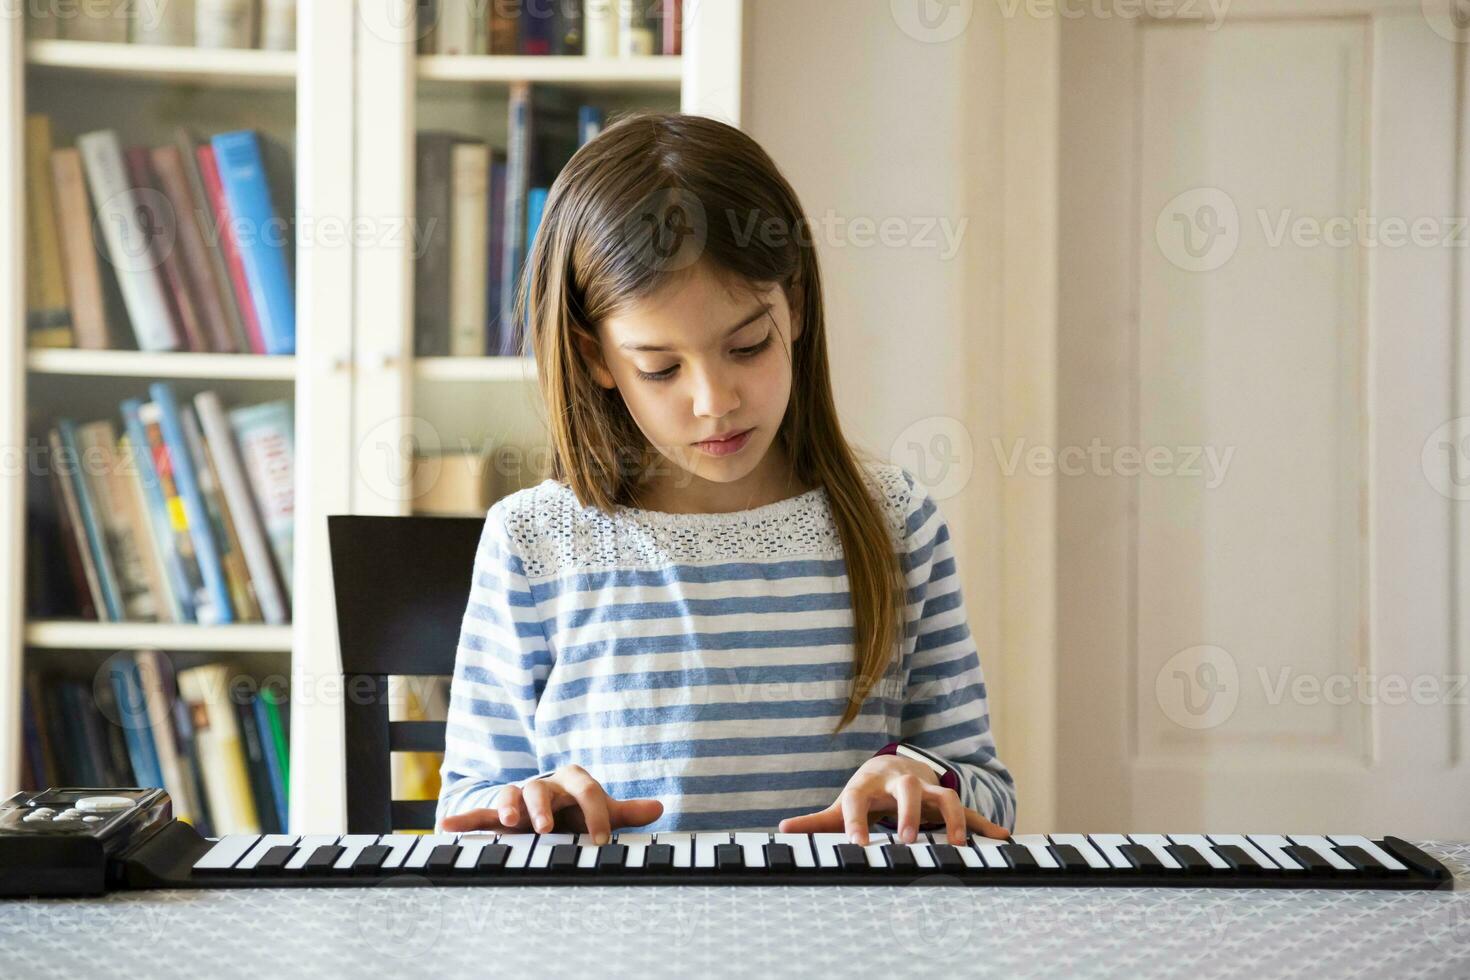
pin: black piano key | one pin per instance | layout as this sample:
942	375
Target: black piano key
1191	860
441	858
851	857
1240	862
1413	857
947	858
324	857
780	857
900	858
612	857
729	857
1071	859
274	860
563	857
492	857
659	857
1363	863
1315	864
1141	857
1019	857
370	859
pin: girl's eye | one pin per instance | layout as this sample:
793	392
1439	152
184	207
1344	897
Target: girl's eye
668	372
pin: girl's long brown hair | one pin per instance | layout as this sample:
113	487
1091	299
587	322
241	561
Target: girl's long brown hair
634	208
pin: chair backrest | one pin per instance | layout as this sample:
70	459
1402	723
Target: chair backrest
401	585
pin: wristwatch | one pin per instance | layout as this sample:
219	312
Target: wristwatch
948	777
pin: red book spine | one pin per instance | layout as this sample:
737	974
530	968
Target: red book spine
673	25
231	249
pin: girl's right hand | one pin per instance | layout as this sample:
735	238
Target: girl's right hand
567	800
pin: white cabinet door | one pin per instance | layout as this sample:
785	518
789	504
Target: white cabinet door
1257	606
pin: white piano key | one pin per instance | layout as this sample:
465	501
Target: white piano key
587	849
1084	847
470	846
801	848
1108	845
1273	845
988	850
874	850
520	848
306	847
1036	844
224	854
1251	851
704	847
753	848
1204	847
541	854
683	845
923	856
352	846
400	846
825	848
1322	847
966	851
1157	843
637	845
1378	854
419	856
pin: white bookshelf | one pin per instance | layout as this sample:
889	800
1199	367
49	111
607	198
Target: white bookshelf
359	93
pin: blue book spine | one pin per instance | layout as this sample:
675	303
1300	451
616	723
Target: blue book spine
263	245
188	487
535	205
133	715
272	762
91	523
180	595
589	123
496	251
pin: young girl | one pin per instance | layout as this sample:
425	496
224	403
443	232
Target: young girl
713	616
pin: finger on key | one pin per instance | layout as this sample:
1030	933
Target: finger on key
470	820
592	799
984	827
951	809
538	796
510	805
908	796
855	812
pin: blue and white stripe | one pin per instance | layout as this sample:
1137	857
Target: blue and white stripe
704	660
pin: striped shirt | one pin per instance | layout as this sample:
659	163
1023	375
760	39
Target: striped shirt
704	659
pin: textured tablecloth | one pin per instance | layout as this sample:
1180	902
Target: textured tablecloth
813	933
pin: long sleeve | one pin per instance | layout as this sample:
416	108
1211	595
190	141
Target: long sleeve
945	709
500	670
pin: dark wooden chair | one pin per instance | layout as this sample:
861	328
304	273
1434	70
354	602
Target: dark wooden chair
401	585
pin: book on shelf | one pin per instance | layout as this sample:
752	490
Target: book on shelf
266	24
195	256
215	740
593	28
186	515
477	208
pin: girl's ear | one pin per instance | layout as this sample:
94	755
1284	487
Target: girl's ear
591	353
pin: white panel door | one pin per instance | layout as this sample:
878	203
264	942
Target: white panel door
1257	617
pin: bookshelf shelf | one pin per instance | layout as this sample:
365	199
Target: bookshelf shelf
146	364
160	63
474	369
60	634
657	73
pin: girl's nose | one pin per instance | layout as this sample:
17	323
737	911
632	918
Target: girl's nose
715	396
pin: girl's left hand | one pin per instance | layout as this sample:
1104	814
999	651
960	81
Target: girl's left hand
891	784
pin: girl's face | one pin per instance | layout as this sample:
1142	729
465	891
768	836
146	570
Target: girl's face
698	361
